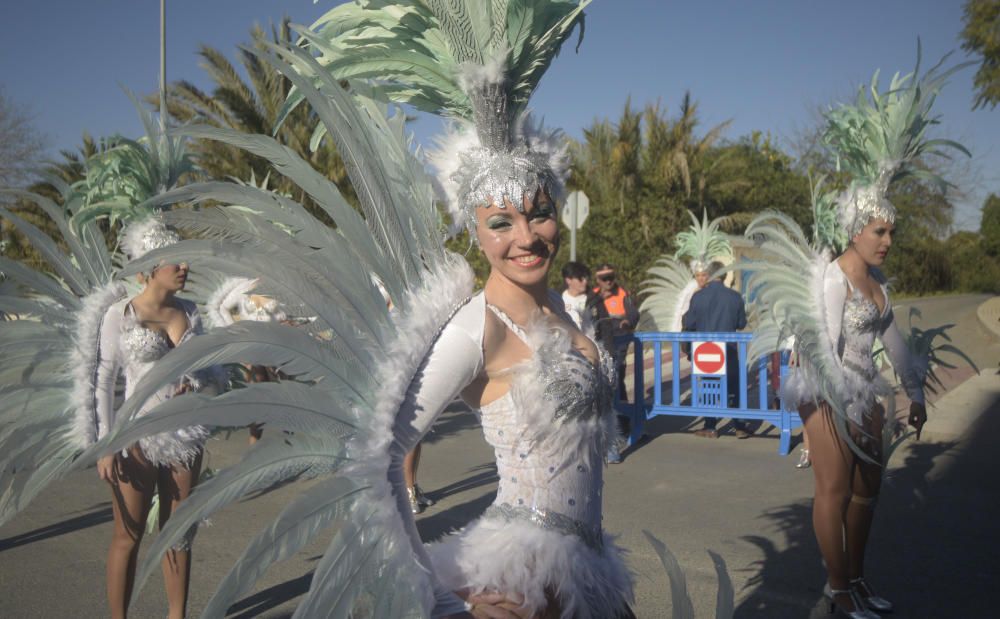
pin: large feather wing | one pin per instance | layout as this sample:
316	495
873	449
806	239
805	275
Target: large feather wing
788	287
668	292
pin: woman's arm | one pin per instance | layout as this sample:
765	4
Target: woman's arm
108	362
454	361
902	362
834	299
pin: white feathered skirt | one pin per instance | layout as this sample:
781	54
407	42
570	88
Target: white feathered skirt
493	554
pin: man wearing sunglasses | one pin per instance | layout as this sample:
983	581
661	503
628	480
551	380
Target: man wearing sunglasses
622	317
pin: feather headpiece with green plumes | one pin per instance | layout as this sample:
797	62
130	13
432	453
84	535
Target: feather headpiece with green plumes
122	179
703	242
879	138
827	231
475	62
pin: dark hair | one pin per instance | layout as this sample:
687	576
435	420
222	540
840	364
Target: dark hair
605	266
714	267
575	270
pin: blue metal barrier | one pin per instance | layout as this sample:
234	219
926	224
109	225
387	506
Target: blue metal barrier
708	393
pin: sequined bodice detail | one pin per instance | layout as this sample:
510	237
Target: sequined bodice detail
143	344
861	323
548	434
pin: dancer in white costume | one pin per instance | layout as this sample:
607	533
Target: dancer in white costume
671	285
366	383
76	316
835	310
133	335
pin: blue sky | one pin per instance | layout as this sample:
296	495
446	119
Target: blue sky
765	64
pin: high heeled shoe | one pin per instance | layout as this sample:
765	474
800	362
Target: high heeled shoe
422	499
859	612
804	461
872	601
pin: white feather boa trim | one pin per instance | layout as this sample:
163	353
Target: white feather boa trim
444	290
84	360
232	301
492	554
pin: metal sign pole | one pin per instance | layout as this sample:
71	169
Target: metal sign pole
572	228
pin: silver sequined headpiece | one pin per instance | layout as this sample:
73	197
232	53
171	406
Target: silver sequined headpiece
863	203
496	157
143	236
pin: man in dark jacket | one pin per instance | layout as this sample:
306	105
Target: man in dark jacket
715	308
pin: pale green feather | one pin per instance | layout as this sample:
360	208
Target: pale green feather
703	241
887	131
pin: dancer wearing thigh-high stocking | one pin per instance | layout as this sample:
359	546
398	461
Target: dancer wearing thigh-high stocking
836	309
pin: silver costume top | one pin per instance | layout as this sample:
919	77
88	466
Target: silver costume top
853	322
128	346
542	534
543	477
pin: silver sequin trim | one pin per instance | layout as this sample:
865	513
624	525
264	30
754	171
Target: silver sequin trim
548	520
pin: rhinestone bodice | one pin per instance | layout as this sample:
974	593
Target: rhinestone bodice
548	434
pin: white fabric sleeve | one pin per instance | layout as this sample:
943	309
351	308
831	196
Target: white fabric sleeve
454	361
899	354
108	362
834	300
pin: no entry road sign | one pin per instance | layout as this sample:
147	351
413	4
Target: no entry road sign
709	358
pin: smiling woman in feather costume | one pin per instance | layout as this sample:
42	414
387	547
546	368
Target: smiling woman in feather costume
365	384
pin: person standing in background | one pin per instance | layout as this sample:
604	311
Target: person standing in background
622	318
584	307
718	309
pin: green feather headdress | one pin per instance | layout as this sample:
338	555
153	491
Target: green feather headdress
827	231
703	242
879	138
475	62
122	180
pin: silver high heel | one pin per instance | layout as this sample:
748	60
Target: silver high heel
872	601
422	499
859	612
804	461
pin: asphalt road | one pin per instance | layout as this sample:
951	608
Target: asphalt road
933	548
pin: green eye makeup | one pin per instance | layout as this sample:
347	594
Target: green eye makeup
498	222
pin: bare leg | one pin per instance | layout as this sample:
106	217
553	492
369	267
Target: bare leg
867	481
132	493
832	459
410	464
176	483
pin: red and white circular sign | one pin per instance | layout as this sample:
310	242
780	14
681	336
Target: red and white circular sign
709	358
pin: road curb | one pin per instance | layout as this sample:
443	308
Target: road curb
989	314
957	412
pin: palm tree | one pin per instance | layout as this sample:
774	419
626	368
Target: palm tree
253	106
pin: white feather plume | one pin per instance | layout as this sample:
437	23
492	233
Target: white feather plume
84	360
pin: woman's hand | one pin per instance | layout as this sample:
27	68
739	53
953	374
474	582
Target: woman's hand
492	605
495	605
182	388
106	468
918	417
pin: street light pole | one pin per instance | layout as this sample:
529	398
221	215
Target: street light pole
163	69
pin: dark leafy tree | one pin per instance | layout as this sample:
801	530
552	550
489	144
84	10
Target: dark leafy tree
981	36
